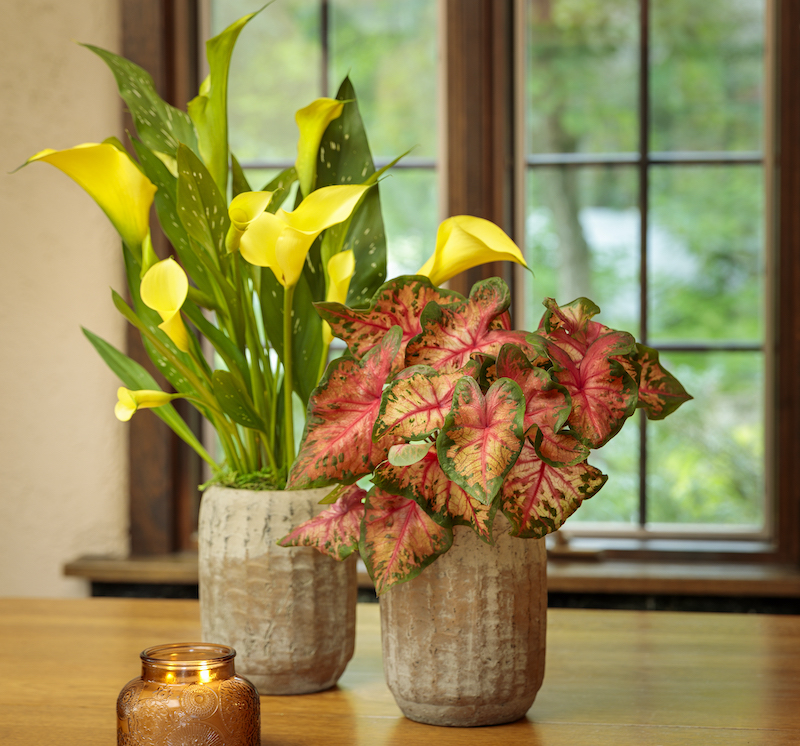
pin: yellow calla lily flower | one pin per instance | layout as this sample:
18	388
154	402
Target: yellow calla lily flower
243	210
164	289
463	242
341	268
113	181
130	401
281	241
312	121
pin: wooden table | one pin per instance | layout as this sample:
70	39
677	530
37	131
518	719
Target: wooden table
613	677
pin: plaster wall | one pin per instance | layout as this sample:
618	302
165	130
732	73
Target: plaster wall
63	472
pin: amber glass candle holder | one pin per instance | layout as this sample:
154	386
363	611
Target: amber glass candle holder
188	693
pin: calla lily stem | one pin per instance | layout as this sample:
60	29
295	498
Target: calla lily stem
288	296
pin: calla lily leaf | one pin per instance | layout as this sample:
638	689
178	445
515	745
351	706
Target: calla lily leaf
235	400
209	110
312	121
113	181
537	498
337	441
201	207
464	241
398	539
660	393
399	302
128	402
441	498
335	531
452	334
348	160
160	126
482	436
603	394
164	289
134	376
282	240
239	183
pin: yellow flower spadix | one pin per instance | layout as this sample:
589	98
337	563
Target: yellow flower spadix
464	241
312	121
113	181
164	289
281	241
341	268
243	210
130	401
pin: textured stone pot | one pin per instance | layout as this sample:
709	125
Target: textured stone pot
289	613
464	641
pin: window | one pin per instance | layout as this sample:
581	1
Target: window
637	161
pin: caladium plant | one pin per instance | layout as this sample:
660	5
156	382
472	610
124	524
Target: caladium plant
451	415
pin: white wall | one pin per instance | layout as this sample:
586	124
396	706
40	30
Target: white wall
63	472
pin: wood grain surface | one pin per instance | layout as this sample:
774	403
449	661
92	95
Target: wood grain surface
613	677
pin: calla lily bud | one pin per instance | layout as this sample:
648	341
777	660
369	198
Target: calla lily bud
312	122
341	268
282	241
130	401
164	289
113	181
243	210
463	242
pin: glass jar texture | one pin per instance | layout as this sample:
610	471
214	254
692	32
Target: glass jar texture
188	695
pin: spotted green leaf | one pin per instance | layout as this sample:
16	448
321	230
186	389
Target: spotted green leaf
235	400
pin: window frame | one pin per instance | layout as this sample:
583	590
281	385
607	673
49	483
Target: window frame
161	36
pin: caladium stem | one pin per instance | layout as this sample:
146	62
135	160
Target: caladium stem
288	296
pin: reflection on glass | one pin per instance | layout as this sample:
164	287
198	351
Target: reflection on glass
707	75
275	70
582	238
582	76
618	500
411	216
706	461
389	51
706	253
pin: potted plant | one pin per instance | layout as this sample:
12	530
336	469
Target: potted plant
473	437
228	322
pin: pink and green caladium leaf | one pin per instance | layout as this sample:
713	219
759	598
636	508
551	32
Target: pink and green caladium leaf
660	393
547	403
399	539
399	302
482	436
571	326
557	449
537	498
337	442
424	482
603	393
451	334
414	406
335	531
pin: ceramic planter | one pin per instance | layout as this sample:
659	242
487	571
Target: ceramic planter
464	642
289	613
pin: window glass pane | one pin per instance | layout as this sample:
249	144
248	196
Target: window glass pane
618	500
582	76
389	51
582	239
275	70
411	216
705	462
706	253
707	75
